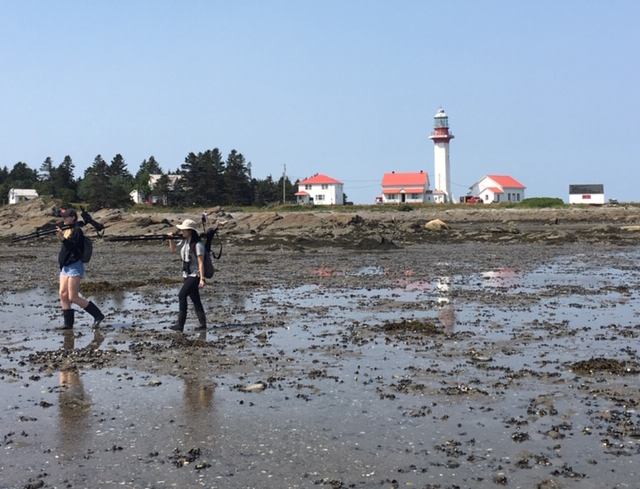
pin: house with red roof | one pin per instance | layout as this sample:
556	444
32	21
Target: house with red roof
320	190
410	188
497	188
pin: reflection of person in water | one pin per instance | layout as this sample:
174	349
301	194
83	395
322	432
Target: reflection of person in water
198	407
198	395
74	408
74	403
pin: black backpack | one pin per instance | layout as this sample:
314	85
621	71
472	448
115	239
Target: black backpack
88	251
208	263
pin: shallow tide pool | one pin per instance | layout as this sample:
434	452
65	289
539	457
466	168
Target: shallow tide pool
477	385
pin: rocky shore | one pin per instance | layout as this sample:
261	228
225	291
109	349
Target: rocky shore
451	348
377	227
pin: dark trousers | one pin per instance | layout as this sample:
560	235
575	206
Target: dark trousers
190	289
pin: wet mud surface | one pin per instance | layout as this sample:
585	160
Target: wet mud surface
428	366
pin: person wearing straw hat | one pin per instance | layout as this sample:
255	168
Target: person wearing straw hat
191	249
72	271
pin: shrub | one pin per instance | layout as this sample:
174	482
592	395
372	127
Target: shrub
540	202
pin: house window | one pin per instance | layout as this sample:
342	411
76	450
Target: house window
415	196
392	197
325	186
518	197
497	197
320	197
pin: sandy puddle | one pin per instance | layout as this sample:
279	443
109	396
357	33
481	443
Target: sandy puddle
490	398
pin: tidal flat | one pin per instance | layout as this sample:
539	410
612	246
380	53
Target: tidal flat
464	365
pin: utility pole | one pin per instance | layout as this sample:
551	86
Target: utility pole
284	175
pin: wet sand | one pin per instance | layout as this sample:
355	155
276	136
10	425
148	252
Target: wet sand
429	366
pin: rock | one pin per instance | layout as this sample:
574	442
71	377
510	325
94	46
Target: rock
481	358
257	387
436	225
256	222
604	228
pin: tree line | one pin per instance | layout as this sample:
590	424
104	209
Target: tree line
205	179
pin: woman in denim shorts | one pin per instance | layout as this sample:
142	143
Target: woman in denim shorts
72	271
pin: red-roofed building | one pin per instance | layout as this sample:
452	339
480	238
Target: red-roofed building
320	190
498	188
400	188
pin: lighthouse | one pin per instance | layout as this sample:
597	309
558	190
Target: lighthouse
441	137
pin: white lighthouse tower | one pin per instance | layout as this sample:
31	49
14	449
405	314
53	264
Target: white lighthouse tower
441	138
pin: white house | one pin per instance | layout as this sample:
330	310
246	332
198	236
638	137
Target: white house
498	188
400	188
320	190
139	197
586	194
21	194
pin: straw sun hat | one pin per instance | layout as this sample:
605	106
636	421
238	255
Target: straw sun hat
188	224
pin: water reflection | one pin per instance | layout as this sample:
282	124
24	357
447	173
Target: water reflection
501	277
446	313
74	403
442	288
324	272
200	425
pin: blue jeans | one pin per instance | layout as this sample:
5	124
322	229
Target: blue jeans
75	269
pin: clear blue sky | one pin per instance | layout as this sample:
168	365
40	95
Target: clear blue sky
546	91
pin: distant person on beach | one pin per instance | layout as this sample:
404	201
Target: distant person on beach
72	270
191	249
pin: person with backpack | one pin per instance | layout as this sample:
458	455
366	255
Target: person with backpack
72	270
192	251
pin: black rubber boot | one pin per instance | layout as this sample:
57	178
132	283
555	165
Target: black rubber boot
182	318
68	316
95	312
202	321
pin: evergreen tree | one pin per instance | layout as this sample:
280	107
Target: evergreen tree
47	178
194	180
95	188
20	177
152	166
118	168
236	180
147	168
4	174
120	181
5	185
64	181
265	191
162	189
213	170
290	190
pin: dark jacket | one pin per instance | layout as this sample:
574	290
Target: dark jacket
72	248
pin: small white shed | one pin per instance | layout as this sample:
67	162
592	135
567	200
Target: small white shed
21	194
586	194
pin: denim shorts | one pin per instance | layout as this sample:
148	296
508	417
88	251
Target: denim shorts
75	269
